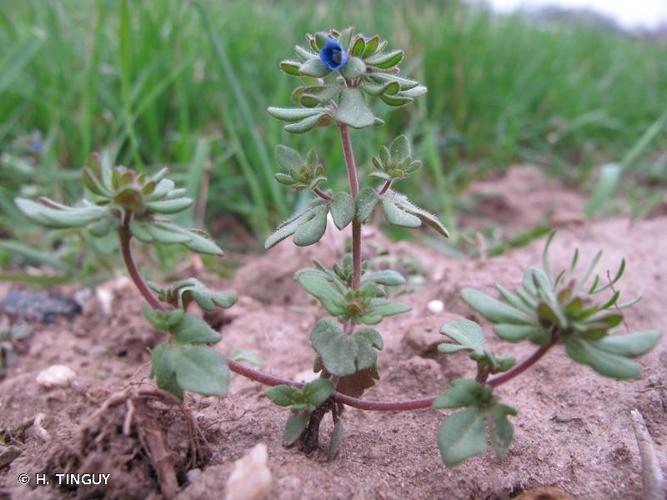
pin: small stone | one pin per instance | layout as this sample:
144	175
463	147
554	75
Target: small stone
306	376
105	298
251	477
55	376
435	306
193	474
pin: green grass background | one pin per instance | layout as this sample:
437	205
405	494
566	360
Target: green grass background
186	84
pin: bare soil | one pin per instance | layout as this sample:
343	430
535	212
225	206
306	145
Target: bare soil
573	434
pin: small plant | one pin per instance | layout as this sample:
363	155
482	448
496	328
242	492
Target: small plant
338	72
135	205
547	309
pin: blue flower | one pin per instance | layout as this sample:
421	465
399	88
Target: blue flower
333	55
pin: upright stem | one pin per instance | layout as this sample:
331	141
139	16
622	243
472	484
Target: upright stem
354	191
125	236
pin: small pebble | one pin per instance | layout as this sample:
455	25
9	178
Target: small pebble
55	376
436	306
193	474
306	376
251	477
105	298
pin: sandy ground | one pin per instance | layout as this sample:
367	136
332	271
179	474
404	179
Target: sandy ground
573	431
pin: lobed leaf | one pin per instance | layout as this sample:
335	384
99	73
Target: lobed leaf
344	354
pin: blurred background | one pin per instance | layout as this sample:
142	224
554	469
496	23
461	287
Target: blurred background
567	86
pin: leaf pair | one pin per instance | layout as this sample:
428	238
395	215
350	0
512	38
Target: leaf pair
463	434
302	403
308	226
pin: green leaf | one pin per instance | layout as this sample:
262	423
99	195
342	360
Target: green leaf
366	202
589	352
630	345
354	68
163	232
318	391
170	206
398	217
400	149
318	284
461	436
93	184
244	355
494	310
296	423
462	392
294	114
200	369
502	430
387	277
315	68
58	216
381	308
311	231
468	334
342	209
304	125
316	210
353	110
336	440
385	61
162	369
395	100
288	157
201	243
345	354
517	333
290	67
194	330
409	211
283	395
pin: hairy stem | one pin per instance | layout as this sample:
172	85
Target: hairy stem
354	191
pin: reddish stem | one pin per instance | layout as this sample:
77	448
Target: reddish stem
524	365
322	194
125	235
385	187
